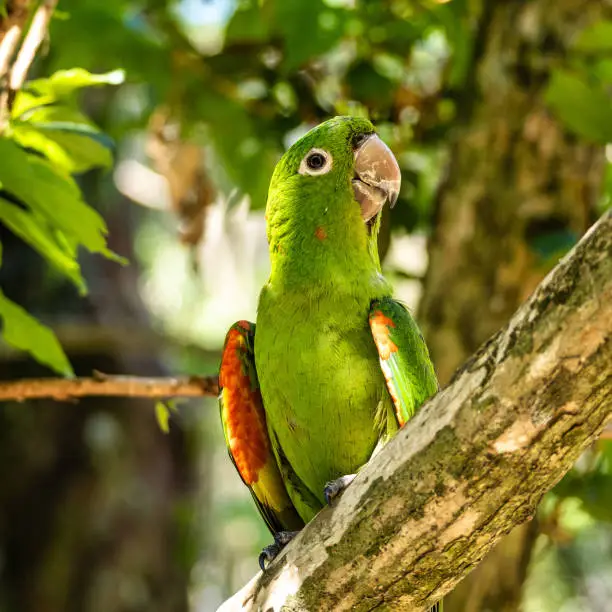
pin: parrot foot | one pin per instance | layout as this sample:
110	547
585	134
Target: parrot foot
334	487
269	553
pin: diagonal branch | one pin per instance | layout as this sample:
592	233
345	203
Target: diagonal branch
471	465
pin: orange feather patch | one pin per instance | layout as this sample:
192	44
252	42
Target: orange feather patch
243	410
380	324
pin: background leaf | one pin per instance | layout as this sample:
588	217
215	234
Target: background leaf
584	108
596	38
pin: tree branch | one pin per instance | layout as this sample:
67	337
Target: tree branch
472	464
11	28
62	389
34	38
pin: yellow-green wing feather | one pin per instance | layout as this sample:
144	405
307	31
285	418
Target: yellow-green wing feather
404	358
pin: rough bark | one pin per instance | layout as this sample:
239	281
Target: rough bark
471	465
516	177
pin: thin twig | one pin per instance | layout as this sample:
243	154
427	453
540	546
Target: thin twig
62	389
34	38
8	46
11	29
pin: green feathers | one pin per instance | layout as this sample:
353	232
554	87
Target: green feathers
340	364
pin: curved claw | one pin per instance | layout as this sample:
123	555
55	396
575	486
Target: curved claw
270	552
267	555
334	487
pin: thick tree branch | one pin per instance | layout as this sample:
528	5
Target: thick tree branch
102	384
471	465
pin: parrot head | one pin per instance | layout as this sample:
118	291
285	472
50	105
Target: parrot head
328	190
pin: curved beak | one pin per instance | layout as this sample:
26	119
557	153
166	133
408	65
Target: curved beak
377	176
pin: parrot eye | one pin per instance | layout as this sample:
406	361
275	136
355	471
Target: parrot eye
317	161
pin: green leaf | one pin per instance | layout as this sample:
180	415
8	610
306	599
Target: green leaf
57	114
36	232
26	101
24	332
53	195
309	29
64	136
74	148
602	71
596	38
40	93
163	412
247	24
65	82
140	51
584	109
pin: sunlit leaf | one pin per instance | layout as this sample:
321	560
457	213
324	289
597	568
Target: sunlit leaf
26	333
163	412
65	136
74	148
65	82
54	195
26	101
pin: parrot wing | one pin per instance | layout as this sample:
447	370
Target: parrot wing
404	358
246	434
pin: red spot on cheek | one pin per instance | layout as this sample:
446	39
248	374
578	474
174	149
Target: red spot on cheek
320	233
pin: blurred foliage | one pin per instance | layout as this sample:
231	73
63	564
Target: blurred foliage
579	93
283	66
246	91
242	87
47	140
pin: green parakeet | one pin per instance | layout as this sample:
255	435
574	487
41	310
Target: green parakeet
334	365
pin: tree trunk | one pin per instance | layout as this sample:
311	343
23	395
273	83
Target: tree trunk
517	184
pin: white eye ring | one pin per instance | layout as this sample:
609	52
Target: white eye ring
316	162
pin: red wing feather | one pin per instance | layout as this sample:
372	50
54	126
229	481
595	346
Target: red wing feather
246	433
